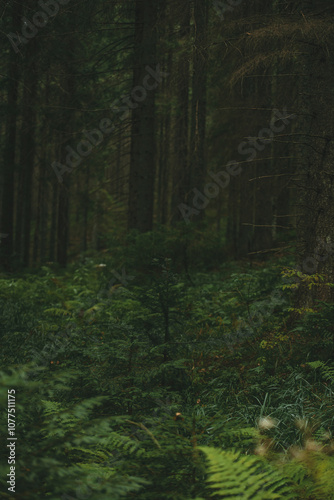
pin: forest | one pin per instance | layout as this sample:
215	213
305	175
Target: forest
167	249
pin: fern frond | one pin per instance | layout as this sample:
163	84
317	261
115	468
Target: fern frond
234	475
56	311
323	473
327	372
125	443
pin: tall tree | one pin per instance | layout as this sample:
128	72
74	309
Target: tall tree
9	153
199	89
316	150
143	137
181	174
28	147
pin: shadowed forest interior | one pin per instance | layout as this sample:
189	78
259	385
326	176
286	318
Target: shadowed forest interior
167	249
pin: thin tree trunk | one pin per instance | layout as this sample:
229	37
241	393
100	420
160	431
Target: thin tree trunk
198	105
143	139
54	220
44	186
164	149
68	119
28	152
7	208
85	210
181	174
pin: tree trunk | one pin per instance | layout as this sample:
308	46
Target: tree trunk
198	104
181	174
7	208
143	139
67	125
316	170
28	152
164	149
53	225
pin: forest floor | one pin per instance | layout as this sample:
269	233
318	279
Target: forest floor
126	380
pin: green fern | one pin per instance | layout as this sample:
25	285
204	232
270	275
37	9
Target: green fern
56	311
327	372
124	443
51	407
312	472
82	456
233	475
324	475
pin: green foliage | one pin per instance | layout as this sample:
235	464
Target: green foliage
233	475
327	372
63	444
120	385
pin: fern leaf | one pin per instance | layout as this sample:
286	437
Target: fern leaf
233	475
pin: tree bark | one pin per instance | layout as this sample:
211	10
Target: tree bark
143	138
198	104
28	148
7	208
316	169
181	174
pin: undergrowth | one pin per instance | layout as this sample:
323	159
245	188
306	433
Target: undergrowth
157	381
